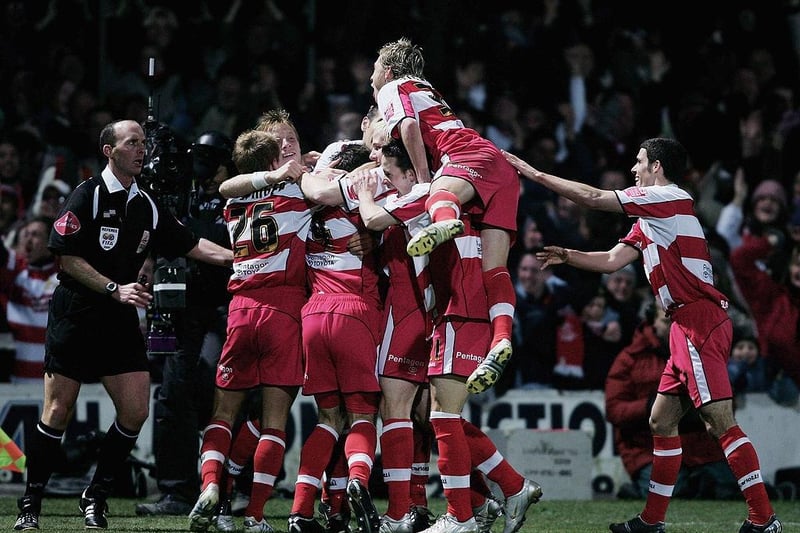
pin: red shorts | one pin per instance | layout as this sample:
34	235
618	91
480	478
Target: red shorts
404	350
700	345
458	347
496	185
263	344
340	339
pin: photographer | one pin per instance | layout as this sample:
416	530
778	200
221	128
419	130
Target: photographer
183	401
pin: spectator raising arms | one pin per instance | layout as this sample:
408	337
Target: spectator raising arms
775	305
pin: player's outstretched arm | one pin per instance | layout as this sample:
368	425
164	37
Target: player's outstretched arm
580	193
607	262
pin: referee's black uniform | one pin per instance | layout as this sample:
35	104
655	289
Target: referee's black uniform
90	335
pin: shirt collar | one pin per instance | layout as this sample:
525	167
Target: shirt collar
113	184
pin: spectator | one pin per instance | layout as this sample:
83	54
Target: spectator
470	89
9	213
503	125
360	94
604	228
226	112
541	148
50	197
155	72
28	280
348	126
768	211
774	302
750	372
10	172
623	297
542	302
263	89
528	240
600	331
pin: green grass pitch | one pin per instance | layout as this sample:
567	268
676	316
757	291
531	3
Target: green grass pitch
684	516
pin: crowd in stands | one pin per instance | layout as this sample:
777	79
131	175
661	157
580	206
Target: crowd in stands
571	86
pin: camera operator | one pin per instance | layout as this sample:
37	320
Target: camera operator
183	401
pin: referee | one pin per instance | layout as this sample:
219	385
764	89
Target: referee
104	233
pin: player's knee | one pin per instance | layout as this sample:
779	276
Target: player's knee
362	402
134	416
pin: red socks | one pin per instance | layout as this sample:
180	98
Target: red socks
266	466
359	448
314	457
443	205
743	461
667	454
215	447
485	458
397	451
501	298
454	463
420	468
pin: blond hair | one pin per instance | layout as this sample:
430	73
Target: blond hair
403	58
269	120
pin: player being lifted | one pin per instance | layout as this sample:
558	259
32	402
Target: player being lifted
469	171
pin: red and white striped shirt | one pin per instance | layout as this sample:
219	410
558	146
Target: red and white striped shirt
674	248
332	269
409	278
442	131
457	277
268	231
28	289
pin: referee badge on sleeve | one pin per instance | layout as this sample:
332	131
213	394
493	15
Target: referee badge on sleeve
67	224
143	243
108	237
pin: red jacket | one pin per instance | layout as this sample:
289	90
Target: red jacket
631	386
774	308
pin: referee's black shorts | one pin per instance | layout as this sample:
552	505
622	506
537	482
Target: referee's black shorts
91	335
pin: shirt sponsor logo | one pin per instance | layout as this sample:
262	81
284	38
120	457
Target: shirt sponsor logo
108	237
634	192
67	224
